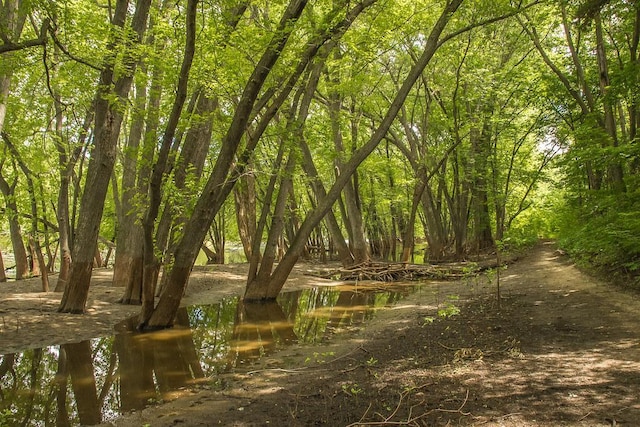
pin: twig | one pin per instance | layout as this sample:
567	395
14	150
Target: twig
288	371
411	420
587	414
448	348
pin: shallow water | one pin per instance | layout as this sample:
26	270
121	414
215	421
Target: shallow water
96	380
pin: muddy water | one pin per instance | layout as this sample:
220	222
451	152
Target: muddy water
93	381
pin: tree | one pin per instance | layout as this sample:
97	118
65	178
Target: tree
111	93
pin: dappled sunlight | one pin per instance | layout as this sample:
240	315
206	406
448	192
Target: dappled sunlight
325	312
262	327
161	336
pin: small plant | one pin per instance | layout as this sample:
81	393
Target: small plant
319	357
469	272
449	309
428	320
491	275
352	389
372	361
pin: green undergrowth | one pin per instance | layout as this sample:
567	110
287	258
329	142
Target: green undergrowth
605	238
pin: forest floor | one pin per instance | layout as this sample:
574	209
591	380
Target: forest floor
561	349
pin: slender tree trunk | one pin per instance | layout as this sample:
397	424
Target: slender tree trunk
127	272
151	262
480	140
616	174
15	232
3	274
67	159
129	252
275	232
353	218
108	120
309	167
38	267
244	194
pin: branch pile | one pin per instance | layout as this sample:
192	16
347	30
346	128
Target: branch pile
394	271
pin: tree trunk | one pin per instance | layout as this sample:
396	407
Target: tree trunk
38	266
19	250
67	159
127	271
108	120
353	218
129	252
244	194
480	151
275	232
3	275
309	167
152	263
436	233
615	171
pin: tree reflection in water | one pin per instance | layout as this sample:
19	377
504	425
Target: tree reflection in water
91	381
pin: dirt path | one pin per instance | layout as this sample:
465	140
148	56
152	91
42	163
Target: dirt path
562	349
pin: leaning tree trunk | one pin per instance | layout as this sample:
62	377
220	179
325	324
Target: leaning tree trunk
275	231
108	120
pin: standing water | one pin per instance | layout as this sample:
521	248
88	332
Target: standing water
93	381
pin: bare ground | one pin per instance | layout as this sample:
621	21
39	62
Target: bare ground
561	348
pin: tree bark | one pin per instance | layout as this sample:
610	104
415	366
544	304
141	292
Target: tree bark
15	232
108	120
127	272
244	194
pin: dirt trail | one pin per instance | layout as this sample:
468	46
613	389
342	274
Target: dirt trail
562	349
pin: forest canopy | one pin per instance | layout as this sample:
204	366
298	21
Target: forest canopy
145	134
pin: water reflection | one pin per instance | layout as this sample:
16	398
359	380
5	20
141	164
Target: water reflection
92	381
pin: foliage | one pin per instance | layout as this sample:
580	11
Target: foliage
484	122
604	234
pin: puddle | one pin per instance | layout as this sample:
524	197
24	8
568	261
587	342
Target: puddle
93	381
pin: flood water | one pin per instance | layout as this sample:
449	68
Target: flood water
96	380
